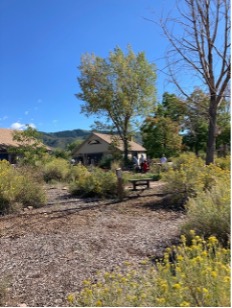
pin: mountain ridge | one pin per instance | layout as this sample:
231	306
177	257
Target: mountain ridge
62	139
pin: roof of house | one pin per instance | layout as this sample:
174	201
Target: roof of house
133	146
6	138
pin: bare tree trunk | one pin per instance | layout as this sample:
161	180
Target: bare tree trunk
125	144
212	131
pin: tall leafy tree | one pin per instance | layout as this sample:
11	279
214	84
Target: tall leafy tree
200	48
119	89
161	133
173	107
161	136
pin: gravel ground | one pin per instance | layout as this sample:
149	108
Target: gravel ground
46	253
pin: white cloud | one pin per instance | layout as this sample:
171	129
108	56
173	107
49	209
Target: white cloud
21	126
26	112
18	126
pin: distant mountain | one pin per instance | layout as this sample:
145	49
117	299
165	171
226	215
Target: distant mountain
63	138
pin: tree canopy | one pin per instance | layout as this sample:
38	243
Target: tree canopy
177	119
161	132
120	89
161	136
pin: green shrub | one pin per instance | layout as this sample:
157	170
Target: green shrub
58	169
95	183
105	162
78	172
30	193
209	213
19	188
199	277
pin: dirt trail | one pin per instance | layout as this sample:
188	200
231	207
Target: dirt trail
46	253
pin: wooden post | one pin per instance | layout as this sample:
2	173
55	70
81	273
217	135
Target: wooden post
120	186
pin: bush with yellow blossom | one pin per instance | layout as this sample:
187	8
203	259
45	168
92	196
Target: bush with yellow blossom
189	176
199	276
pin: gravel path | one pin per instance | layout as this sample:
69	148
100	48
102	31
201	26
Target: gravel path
46	253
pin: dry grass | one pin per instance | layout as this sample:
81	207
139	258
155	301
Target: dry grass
46	253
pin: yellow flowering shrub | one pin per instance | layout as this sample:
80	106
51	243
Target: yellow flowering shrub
189	176
199	276
18	188
223	162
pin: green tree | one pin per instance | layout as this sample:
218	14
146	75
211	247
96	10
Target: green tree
161	136
160	133
200	47
120	88
224	128
196	121
71	147
172	107
31	150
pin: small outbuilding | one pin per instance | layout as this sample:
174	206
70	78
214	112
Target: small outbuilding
98	146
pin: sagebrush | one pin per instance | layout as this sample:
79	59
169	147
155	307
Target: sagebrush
19	187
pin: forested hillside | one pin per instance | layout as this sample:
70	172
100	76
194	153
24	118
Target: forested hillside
63	138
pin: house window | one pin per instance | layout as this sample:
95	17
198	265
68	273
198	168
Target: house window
93	142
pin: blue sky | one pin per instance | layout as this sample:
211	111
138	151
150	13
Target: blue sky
41	43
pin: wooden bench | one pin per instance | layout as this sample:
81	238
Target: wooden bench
140	182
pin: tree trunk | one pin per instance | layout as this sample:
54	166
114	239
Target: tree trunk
212	130
125	143
196	151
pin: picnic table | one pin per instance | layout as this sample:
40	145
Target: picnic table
140	182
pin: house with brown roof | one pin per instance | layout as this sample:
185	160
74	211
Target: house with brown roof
98	146
7	142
